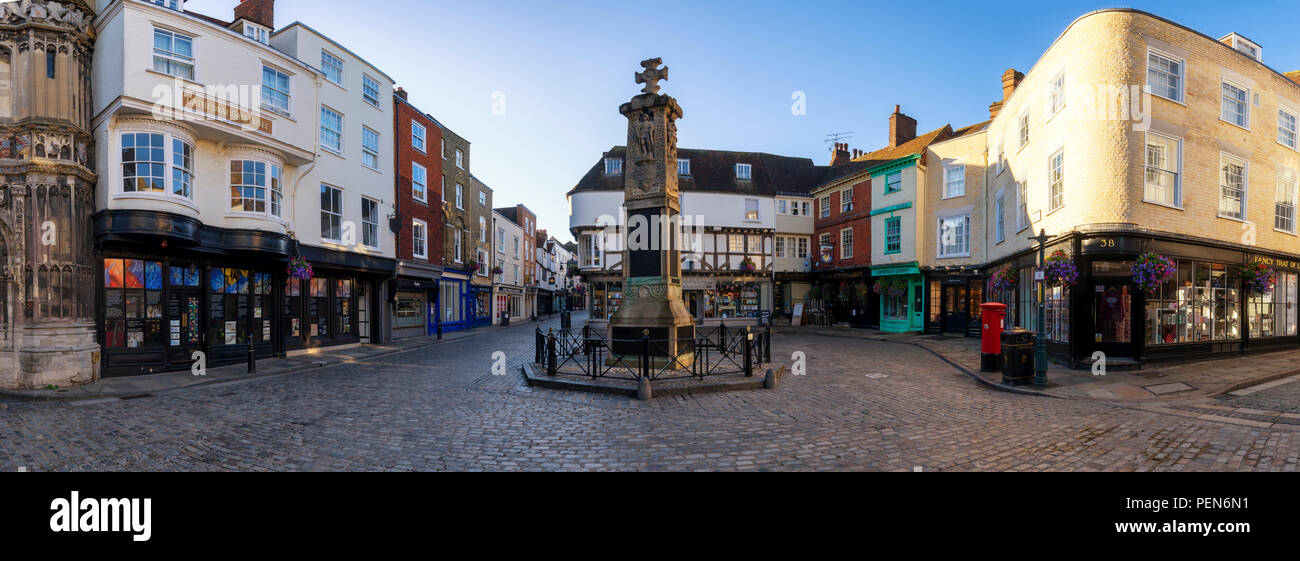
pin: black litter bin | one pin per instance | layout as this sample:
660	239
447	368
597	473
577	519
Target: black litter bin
1017	357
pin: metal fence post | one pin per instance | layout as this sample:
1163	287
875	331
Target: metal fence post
749	348
767	346
722	338
538	343
645	353
550	353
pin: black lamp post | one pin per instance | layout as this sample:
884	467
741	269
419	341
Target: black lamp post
1040	342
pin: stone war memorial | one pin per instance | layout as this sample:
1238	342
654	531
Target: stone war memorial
652	338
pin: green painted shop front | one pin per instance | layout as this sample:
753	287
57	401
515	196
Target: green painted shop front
902	312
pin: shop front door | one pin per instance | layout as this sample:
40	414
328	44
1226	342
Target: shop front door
956	309
1113	302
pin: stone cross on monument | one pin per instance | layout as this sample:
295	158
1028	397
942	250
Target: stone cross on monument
652	285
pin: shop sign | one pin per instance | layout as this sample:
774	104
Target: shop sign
1112	244
828	253
699	283
1275	263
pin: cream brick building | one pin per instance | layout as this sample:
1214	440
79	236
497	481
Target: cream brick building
1133	134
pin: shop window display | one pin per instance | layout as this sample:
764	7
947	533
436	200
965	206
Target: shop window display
1201	305
133	309
1273	314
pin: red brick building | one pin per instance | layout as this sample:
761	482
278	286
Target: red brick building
418	212
841	244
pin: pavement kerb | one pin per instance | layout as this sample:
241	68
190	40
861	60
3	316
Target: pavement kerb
22	396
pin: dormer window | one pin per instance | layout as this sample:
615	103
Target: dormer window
1246	46
256	32
684	167
744	172
172	4
613	166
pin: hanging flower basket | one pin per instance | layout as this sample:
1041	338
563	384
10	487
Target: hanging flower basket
747	265
1152	270
300	269
890	287
472	265
1259	278
497	270
1005	279
1059	270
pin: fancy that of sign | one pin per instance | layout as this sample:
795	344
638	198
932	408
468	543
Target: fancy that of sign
1274	262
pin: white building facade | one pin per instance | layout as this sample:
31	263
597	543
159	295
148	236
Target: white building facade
227	149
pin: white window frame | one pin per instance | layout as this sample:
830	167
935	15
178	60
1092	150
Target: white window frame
951	185
326	62
825	203
482	197
964	246
846	243
1286	191
366	225
1181	77
1225	158
287	92
273	189
744	172
1294	130
460	159
1056	95
419	238
613	166
419	137
325	109
173	57
458	242
780	246
256	32
366	83
846	200
460	196
482	229
368	151
501	240
801	249
1022	206
782	206
419	183
1023	122
1223	99
1177	171
683	167
1055	181
1000	216
334	213
169	172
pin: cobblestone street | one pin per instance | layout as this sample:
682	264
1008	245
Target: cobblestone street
863	406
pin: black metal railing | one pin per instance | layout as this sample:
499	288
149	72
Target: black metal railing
711	352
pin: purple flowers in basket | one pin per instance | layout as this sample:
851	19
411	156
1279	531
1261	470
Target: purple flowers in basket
1152	270
1259	278
1005	279
300	269
1060	270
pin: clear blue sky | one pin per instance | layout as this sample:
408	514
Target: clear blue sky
565	66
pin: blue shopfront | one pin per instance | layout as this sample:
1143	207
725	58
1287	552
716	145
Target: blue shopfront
454	308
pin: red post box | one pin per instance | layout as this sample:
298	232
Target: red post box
993	317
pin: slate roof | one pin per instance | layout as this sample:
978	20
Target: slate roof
715	171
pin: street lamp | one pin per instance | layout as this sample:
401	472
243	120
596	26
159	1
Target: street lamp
1040	342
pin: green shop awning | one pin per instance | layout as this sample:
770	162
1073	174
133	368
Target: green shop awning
896	271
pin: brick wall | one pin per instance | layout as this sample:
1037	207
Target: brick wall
858	219
408	208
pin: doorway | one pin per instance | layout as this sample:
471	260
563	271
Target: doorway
956	308
1113	305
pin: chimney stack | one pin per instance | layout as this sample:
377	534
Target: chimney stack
401	92
901	128
1010	81
261	12
841	154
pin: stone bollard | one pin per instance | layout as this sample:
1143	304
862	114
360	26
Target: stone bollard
769	380
643	392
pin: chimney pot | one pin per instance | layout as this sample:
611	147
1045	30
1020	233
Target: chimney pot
261	12
901	128
840	154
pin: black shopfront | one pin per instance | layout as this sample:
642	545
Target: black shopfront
953	298
1204	312
171	291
